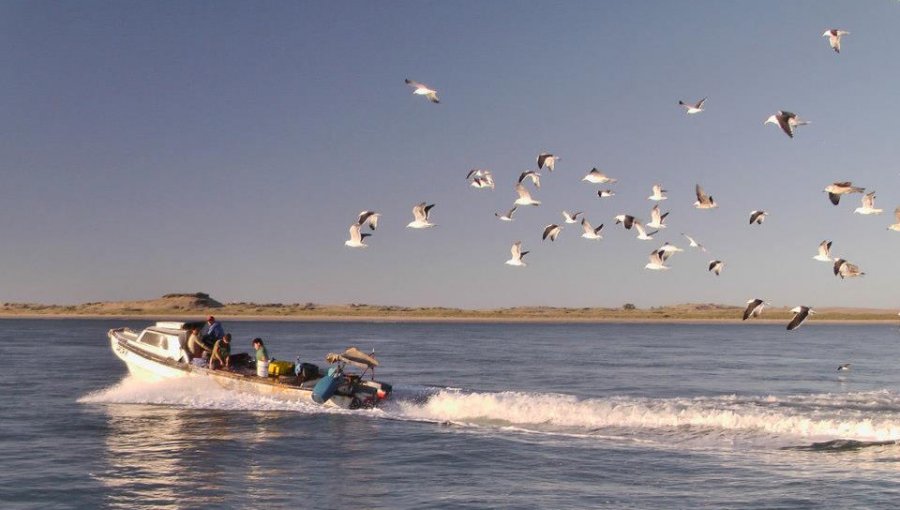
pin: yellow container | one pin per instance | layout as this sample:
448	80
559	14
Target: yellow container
281	368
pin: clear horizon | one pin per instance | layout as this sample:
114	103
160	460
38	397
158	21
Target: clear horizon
227	147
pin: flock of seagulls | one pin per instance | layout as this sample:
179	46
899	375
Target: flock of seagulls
482	179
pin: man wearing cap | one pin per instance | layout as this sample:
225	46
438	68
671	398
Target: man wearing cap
214	330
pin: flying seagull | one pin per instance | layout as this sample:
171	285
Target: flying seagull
571	218
605	193
716	266
824	252
835	190
868	205
657	193
525	196
626	220
551	231
657	219
758	217
669	249
420	213
356	238
800	315
694	244
642	234
704	201
481	178
545	159
589	231
506	217
517	255
844	367
597	177
834	38
754	308
896	226
693	108
421	89
787	121
845	269
657	261
370	216
531	174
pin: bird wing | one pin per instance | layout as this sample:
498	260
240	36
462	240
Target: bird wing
516	250
354	233
834	197
785	124
541	159
868	200
419	212
523	193
699	104
897	214
427	210
799	317
415	84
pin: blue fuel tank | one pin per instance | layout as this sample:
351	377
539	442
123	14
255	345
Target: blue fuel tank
325	388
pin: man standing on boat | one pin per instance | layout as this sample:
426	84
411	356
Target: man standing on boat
221	353
262	358
214	330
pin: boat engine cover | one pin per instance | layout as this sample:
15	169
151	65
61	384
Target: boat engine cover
326	387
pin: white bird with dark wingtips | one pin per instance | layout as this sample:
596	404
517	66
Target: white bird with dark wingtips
834	38
657	219
626	220
845	269
801	313
716	266
787	121
589	231
657	261
356	238
597	177
692	108
525	196
844	367
896	226
824	252
370	216
605	193
508	216
571	218
481	178
517	255
669	249
531	174
420	215
642	234
420	89
868	205
657	193
704	201
758	217
694	244
552	231
754	308
835	190
545	159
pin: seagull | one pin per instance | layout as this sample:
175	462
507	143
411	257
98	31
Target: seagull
531	174
758	217
824	252
545	159
657	262
626	220
370	216
552	231
597	177
421	89
506	217
787	121
517	254
693	108
420	212
694	244
525	196
868	205
896	226
356	238
657	193
481	178
845	269
704	201
669	249
844	367
835	190
589	231
642	234
754	308
834	38
571	218
605	193
656	219
716	266
800	315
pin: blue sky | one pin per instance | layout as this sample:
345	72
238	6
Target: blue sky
153	147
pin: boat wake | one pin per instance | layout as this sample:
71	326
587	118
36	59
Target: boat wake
818	422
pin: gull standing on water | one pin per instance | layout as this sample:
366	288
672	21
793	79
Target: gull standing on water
525	196
506	217
420	213
896	226
834	38
787	121
545	159
824	252
716	266
657	193
517	255
758	217
589	231
754	308
704	201
835	190
657	219
597	177
845	269
800	315
356	238
693	108
868	205
551	231
370	216
571	218
694	244
420	89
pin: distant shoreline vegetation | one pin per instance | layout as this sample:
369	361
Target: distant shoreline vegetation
201	304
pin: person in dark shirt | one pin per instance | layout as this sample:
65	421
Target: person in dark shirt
214	330
221	353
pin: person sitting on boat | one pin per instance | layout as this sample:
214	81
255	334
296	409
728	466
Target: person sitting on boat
221	353
214	330
196	347
262	358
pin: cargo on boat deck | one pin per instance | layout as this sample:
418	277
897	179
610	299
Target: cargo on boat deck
281	368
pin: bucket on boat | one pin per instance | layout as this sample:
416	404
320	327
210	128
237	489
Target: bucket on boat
325	388
262	368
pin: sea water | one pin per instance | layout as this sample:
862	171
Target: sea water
483	416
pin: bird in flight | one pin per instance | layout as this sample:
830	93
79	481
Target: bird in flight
834	38
420	215
420	89
691	109
787	121
801	313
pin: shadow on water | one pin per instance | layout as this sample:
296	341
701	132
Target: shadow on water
841	445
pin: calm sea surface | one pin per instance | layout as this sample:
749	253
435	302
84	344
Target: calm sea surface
484	416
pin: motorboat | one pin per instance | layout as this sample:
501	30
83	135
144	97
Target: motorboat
160	352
